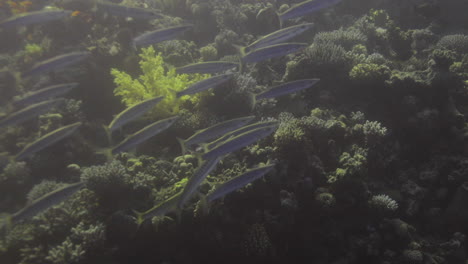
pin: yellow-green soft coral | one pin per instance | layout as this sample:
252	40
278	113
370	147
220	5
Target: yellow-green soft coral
155	81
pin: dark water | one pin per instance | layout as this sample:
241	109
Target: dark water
325	131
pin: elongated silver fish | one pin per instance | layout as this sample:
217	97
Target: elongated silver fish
57	62
133	112
238	132
238	142
206	84
47	140
127	11
214	131
307	7
35	17
45	93
160	35
200	174
144	134
277	37
159	210
272	51
239	182
287	88
210	67
29	112
46	201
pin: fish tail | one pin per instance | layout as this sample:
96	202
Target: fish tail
203	205
240	49
280	20
107	152
182	145
252	100
108	134
6	222
139	217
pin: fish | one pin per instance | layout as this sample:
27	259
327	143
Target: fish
209	67
206	84
159	35
286	88
57	62
45	93
159	210
47	140
276	37
133	112
144	134
35	17
29	112
306	7
214	131
272	51
239	182
45	202
200	174
127	11
238	142
239	131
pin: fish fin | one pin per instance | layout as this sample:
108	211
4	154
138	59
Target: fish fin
182	145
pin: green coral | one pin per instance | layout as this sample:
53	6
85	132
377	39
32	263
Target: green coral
369	73
155	81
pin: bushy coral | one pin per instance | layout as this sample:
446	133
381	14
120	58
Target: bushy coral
369	73
208	53
154	81
383	202
351	163
15	171
341	37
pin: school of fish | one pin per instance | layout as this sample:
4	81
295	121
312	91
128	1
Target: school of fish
216	141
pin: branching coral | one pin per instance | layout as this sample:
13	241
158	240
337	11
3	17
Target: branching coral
155	81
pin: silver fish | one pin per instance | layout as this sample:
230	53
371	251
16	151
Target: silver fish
57	62
144	134
238	182
160	35
278	36
45	202
200	174
35	17
239	131
127	11
207	67
45	93
307	7
133	112
47	140
238	142
29	112
160	209
287	88
214	131
206	84
272	51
